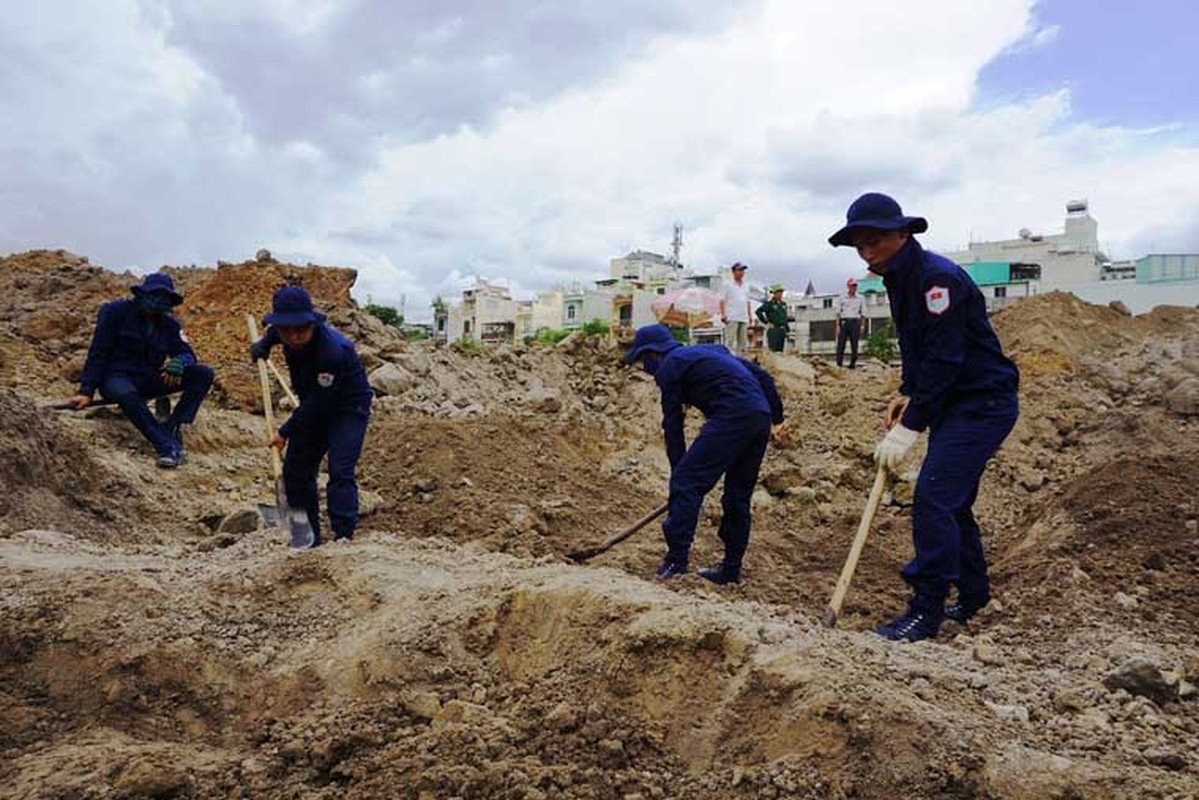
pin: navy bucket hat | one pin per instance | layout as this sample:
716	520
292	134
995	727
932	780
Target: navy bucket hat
875	210
654	338
291	307
158	282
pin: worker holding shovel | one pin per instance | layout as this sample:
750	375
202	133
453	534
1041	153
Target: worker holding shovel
958	384
742	409
335	403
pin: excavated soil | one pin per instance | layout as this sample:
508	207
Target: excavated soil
155	641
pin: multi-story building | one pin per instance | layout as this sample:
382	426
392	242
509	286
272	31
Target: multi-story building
487	313
1070	256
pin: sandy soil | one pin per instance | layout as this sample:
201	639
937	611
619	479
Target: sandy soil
154	644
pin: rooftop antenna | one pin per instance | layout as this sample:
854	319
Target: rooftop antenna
676	244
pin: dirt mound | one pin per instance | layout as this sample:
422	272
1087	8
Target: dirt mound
388	669
149	649
50	478
1126	533
214	315
1054	332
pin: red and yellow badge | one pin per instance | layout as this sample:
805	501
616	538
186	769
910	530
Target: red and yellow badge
937	300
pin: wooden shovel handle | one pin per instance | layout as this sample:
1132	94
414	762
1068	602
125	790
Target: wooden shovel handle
265	380
855	550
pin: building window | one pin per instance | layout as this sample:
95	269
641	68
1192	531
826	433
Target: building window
828	302
1001	291
570	312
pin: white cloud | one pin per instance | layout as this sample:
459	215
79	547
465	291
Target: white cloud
492	139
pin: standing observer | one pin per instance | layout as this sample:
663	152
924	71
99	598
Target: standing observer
957	384
851	318
773	314
734	310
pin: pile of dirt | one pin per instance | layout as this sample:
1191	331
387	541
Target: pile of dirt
149	646
51	479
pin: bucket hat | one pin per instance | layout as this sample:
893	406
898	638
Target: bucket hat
291	307
158	282
654	338
875	210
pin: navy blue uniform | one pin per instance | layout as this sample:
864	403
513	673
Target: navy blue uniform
335	403
125	361
963	389
739	401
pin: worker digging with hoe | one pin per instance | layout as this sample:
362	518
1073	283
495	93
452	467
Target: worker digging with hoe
335	404
138	351
956	383
742	410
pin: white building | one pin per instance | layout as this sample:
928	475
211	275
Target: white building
1066	257
486	313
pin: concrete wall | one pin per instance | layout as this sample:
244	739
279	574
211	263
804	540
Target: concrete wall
1139	297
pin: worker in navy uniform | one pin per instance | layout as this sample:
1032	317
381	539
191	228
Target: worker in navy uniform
139	351
742	409
335	405
773	314
959	386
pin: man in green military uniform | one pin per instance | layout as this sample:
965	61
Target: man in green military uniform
773	314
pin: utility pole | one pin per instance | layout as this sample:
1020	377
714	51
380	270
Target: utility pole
676	245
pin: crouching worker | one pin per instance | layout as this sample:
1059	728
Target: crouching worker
335	405
138	351
740	403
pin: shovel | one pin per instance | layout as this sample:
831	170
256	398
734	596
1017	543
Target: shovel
281	514
855	550
579	556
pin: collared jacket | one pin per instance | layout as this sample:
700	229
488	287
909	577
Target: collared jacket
328	379
952	359
718	383
773	313
128	342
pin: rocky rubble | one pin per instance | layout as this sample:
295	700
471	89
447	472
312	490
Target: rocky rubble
156	641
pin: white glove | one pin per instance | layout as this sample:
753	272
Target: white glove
894	446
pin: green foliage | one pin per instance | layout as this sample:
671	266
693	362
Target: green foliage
415	335
597	327
879	344
681	335
467	345
439	304
550	336
387	314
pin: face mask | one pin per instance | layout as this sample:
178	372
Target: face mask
651	362
154	302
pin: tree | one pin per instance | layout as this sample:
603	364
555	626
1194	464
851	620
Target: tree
387	314
879	344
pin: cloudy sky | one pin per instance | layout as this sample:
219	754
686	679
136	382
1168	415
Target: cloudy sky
425	143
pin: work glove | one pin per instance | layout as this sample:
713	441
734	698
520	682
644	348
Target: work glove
894	446
260	350
175	366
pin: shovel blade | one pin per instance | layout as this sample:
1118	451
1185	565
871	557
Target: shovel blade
269	514
302	535
294	519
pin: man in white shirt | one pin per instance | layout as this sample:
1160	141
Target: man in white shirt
734	310
851	316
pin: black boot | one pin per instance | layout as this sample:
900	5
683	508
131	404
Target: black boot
722	574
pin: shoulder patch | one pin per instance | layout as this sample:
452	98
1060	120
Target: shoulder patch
324	379
183	336
936	300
